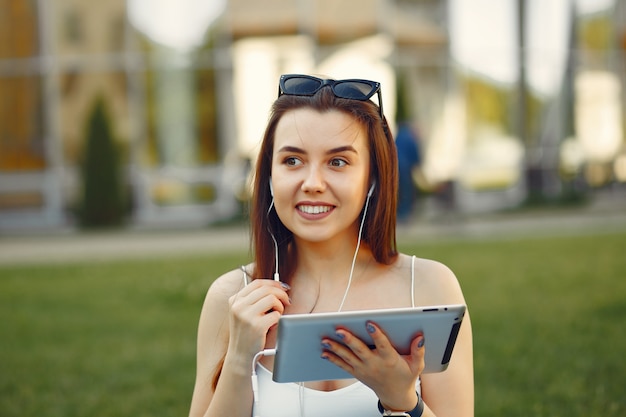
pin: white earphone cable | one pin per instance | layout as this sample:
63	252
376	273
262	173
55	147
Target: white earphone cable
356	251
276	274
270	352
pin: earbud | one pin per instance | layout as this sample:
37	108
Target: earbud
271	188
371	190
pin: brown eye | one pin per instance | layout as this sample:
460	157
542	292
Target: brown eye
337	162
292	161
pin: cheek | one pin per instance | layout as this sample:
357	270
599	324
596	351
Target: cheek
282	195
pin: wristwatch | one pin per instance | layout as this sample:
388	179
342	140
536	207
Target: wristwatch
416	412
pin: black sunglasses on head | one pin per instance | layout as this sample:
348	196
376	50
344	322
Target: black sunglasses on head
306	85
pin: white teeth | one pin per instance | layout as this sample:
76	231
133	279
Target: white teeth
314	209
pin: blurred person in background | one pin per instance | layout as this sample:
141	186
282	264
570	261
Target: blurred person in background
409	159
323	218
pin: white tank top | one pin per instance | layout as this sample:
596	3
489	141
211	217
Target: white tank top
294	400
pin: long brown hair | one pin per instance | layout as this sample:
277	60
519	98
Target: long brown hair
379	231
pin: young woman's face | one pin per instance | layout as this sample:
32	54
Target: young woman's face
320	171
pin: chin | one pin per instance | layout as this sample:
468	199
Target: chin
318	234
311	236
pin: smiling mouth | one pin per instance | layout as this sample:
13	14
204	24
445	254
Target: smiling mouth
314	209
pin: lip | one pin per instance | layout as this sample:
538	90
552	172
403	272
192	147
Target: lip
314	210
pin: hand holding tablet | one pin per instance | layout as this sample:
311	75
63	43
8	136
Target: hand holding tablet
298	348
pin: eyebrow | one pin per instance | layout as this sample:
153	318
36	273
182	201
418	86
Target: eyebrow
339	149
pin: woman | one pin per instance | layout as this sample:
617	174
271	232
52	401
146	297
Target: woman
323	226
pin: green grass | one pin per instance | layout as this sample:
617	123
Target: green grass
118	339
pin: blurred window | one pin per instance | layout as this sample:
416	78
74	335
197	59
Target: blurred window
21	109
181	110
73	26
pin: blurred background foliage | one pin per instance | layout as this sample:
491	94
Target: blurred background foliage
103	193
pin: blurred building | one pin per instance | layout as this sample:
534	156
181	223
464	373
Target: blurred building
174	106
188	85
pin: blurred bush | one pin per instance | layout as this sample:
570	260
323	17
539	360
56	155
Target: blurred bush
103	193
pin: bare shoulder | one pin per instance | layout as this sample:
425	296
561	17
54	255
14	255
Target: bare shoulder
213	326
224	287
436	283
213	333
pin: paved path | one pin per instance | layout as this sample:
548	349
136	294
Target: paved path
127	244
132	244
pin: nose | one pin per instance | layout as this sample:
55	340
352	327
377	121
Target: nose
314	181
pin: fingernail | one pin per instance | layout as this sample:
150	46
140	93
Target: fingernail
420	343
370	328
326	345
340	335
325	357
285	285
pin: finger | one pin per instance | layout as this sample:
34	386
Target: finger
337	354
279	289
256	284
418	345
255	292
351	346
269	320
253	307
261	315
418	352
380	339
268	304
279	294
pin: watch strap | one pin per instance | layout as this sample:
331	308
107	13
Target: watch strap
416	412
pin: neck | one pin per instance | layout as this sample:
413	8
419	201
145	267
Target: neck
335	254
324	273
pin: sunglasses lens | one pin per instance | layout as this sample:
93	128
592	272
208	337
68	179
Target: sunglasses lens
301	86
354	90
305	85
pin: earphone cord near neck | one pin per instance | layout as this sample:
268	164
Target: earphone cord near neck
356	252
276	274
269	352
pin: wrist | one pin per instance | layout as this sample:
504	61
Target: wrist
237	365
414	412
398	401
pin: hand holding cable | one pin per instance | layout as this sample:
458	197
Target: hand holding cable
253	312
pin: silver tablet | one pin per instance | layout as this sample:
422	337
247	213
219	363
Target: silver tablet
299	350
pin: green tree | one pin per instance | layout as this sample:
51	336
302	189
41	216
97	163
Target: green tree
103	191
